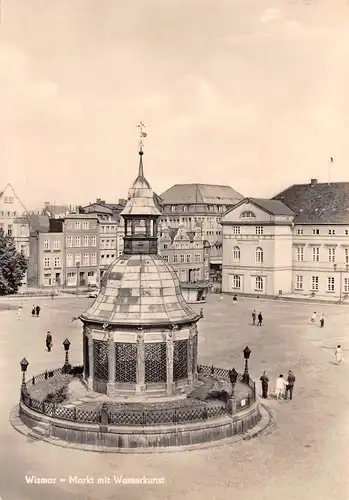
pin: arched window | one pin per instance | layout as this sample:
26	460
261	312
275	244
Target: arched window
236	282
247	215
236	254
259	255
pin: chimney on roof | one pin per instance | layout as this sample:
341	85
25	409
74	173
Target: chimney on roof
313	182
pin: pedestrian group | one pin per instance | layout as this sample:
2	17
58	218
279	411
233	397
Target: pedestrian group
283	388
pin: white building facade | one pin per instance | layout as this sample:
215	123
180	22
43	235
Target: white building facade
296	244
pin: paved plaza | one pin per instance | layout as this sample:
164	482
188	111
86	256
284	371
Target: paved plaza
303	454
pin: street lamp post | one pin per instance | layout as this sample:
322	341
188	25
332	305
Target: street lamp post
67	366
24	365
77	277
246	376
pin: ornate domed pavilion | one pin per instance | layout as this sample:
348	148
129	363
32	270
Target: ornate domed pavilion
140	335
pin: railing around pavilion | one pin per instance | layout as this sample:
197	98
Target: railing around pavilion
193	411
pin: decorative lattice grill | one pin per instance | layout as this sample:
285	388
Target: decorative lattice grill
155	362
180	359
195	353
86	357
100	360
126	362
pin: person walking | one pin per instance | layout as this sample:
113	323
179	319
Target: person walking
235	299
49	341
280	387
37	310
322	320
254	316
260	319
19	312
265	384
313	318
202	312
339	354
33	311
291	379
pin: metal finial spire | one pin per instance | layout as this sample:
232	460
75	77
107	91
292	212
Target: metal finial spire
143	134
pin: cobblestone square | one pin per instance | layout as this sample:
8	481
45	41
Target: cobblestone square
303	453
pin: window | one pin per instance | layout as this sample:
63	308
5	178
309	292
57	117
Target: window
346	255
247	215
188	257
93	259
90	273
316	231
173	208
71	278
24	231
332	254
85	241
165	246
47	262
77	258
346	232
181	259
259	256
299	282
236	282
259	229
77	241
331	231
236	253
86	259
316	254
165	257
57	262
315	283
9	230
120	253
330	284
93	241
85	225
175	259
299	231
46	244
56	244
69	260
197	257
346	285
259	283
77	225
300	254
69	241
236	230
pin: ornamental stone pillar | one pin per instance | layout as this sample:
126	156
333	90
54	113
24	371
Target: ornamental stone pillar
190	355
111	365
140	367
169	361
90	357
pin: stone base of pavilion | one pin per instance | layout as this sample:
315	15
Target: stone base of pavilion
90	420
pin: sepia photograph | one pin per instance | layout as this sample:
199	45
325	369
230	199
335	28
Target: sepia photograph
174	249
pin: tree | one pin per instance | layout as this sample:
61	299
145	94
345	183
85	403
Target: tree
13	266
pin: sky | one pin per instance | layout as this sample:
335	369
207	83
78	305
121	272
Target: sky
247	93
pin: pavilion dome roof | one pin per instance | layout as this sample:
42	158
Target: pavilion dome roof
140	290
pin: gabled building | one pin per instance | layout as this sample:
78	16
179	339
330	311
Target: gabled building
295	244
54	211
200	205
188	253
14	221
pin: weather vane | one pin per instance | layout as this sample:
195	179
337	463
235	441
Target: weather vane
143	134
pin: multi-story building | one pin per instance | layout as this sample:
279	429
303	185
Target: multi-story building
295	244
200	205
188	253
46	264
82	247
111	231
14	221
